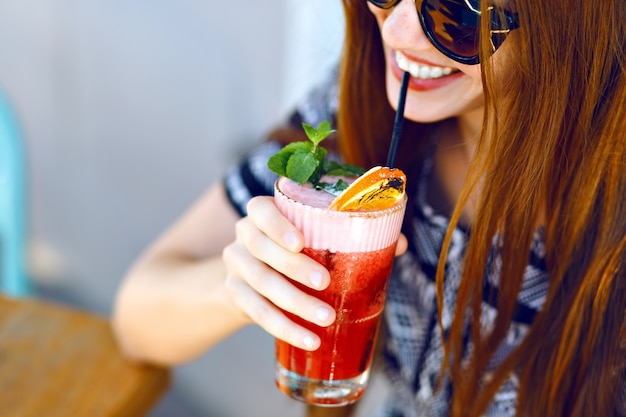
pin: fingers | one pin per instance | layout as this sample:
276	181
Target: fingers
263	213
402	245
275	287
263	264
270	318
272	239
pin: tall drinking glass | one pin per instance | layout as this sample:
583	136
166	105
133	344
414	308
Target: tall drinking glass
358	249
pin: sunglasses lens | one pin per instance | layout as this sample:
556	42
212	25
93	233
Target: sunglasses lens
452	25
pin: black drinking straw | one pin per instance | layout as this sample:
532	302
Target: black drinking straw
397	124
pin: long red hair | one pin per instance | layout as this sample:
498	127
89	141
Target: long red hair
552	152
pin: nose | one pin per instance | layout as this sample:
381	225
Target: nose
402	30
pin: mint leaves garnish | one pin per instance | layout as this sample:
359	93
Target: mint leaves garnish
306	161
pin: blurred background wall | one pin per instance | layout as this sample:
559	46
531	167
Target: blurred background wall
130	109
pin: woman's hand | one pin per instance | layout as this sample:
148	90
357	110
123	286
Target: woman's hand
261	263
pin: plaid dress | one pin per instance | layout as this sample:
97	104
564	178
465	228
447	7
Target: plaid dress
413	350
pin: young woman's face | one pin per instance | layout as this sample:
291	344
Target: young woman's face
439	88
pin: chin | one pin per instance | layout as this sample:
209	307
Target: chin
420	111
415	109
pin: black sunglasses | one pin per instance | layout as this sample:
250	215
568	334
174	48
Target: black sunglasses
453	26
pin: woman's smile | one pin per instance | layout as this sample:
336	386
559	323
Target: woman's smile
421	70
439	88
424	76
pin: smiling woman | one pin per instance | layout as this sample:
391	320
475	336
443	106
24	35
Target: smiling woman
514	153
516	145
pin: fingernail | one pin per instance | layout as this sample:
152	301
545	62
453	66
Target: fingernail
316	279
308	341
322	313
291	239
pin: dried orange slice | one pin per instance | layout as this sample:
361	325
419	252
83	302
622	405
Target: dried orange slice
377	189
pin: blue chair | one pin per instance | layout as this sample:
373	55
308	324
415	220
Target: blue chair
13	278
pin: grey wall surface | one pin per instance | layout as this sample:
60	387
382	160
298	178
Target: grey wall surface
130	109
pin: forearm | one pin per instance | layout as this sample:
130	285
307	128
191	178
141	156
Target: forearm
171	310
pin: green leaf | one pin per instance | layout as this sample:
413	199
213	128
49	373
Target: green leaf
319	155
319	134
277	163
301	166
306	161
335	168
297	146
333	188
310	131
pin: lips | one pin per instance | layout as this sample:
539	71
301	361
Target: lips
423	76
421	71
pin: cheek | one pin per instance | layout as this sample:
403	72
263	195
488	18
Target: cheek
473	82
473	72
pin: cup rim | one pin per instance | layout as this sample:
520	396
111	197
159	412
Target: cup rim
352	213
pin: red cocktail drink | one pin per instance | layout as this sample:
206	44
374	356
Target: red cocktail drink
357	291
358	250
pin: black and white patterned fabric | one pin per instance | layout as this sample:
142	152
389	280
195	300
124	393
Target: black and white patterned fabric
413	350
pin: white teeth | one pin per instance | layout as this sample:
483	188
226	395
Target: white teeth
424	72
